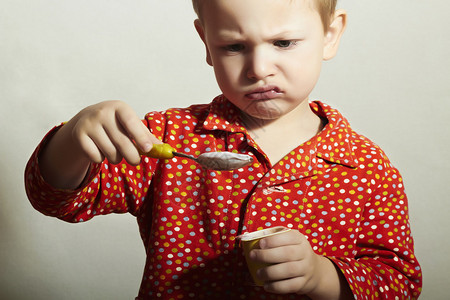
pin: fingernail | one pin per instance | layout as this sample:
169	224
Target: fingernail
262	244
147	147
258	273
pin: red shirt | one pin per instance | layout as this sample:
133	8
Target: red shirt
339	189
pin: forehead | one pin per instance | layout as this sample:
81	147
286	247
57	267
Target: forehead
198	4
313	4
257	13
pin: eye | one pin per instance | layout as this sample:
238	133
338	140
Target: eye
285	43
234	47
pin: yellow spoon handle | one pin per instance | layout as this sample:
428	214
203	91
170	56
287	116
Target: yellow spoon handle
163	151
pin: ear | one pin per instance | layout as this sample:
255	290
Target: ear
201	32
334	33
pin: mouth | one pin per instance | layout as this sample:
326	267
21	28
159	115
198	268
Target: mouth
264	93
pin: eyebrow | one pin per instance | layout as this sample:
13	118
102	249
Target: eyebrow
231	35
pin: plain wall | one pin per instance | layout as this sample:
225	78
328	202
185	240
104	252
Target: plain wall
390	79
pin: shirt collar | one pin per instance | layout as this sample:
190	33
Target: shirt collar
335	143
223	115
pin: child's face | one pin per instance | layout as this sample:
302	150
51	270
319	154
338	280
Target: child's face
266	54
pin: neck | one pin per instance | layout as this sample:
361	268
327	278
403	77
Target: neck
278	137
302	119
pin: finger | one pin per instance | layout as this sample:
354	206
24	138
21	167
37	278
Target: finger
278	255
97	140
90	134
122	143
291	237
135	129
281	271
90	148
103	141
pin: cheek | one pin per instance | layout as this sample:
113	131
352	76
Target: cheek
303	69
227	73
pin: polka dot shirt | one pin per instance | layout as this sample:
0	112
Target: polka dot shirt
339	189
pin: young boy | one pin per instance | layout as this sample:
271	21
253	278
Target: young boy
311	172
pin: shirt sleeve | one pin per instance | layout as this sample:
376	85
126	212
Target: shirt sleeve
106	189
384	266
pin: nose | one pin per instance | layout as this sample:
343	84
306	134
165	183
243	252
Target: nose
259	64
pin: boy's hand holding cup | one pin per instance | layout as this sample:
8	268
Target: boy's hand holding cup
282	260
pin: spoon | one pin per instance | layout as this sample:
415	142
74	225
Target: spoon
220	161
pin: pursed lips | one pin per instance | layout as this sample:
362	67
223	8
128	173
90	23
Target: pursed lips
264	93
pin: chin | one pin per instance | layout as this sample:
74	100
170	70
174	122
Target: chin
271	114
263	111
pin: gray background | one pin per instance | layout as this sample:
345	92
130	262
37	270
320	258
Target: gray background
390	79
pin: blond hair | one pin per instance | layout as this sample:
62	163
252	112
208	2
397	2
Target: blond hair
325	8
